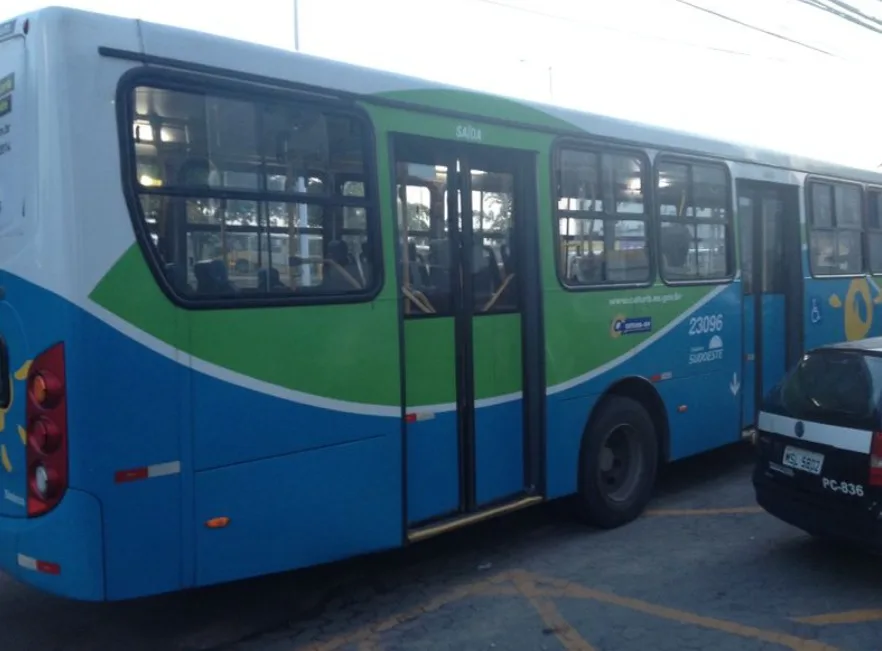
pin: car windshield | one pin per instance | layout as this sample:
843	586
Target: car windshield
834	383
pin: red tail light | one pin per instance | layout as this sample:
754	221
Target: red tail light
876	460
46	449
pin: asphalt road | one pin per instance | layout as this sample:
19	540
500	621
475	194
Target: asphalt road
703	569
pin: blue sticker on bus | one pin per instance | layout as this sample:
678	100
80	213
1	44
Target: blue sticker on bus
631	326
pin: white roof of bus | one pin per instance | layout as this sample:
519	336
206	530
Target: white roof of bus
209	50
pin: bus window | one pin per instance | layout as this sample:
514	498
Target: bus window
695	229
494	278
602	220
422	225
245	198
835	228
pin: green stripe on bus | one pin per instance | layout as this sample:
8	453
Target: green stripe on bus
345	352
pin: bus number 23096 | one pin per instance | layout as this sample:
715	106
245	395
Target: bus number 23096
699	325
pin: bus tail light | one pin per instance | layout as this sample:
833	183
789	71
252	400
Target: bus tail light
876	460
46	447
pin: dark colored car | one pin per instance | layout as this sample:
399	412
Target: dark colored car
819	444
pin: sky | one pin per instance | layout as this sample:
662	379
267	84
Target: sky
657	61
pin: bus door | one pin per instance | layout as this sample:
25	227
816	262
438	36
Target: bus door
467	267
768	215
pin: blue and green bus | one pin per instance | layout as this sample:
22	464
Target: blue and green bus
261	311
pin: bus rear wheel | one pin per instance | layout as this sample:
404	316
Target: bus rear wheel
618	464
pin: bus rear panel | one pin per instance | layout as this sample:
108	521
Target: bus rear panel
50	529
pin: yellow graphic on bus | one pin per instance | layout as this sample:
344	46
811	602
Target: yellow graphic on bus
20	376
4	458
857	325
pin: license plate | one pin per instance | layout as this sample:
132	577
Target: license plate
804	460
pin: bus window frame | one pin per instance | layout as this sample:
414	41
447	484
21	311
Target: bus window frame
731	237
869	190
599	148
230	87
809	215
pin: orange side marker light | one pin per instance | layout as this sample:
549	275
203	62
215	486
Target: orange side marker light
217	523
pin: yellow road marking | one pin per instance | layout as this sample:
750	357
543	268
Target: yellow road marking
847	617
367	636
539	591
689	512
686	617
563	631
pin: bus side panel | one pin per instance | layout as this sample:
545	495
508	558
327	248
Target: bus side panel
126	394
432	444
297	433
249	409
304	478
842	309
695	365
566	418
703	354
284	419
125	414
299	510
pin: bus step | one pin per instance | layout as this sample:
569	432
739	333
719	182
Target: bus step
437	528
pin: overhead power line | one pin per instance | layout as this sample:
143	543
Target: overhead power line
573	20
857	12
839	9
754	27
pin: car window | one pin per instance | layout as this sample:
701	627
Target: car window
836	386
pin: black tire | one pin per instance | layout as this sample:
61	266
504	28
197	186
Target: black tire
618	463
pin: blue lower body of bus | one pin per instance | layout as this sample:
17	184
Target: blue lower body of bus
108	540
61	552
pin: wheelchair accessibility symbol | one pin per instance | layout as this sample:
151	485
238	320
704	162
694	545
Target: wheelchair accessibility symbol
816	312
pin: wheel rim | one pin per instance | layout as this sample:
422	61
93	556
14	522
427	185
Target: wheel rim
620	464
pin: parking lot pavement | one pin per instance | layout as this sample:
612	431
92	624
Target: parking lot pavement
703	569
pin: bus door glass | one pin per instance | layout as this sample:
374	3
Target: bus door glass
460	212
772	286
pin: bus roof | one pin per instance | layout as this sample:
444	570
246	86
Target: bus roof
178	47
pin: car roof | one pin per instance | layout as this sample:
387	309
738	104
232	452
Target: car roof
870	346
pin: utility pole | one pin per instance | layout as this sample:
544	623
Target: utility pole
296	25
